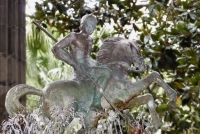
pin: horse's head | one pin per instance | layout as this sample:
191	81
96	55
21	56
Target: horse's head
121	51
138	61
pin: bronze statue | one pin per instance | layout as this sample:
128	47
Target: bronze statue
78	56
60	97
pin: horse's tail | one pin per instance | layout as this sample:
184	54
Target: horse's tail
12	104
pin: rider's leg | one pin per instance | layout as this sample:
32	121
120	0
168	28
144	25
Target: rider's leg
102	78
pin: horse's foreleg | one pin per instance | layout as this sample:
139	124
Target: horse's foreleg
155	77
171	94
145	99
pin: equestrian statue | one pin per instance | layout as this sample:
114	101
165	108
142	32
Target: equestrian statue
97	86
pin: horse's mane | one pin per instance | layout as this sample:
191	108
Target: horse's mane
115	49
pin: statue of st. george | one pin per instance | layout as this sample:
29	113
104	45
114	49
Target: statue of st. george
116	57
78	56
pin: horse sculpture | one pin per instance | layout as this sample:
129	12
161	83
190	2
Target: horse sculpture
60	97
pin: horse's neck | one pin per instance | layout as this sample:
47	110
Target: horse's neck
117	70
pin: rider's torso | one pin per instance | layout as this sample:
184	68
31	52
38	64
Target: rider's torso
81	49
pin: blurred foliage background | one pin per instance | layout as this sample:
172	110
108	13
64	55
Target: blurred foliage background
168	32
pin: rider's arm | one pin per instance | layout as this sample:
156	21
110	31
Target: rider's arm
59	50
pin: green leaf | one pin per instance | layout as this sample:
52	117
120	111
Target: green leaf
39	14
186	4
182	27
162	108
193	16
174	31
178	85
152	10
197	118
113	2
142	37
197	23
179	9
155	37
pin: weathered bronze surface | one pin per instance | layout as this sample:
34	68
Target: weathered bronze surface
78	56
82	94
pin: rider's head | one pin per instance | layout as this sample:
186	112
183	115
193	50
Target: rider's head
88	23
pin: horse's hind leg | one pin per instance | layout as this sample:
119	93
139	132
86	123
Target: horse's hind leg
155	77
145	99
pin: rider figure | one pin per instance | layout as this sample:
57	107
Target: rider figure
78	56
